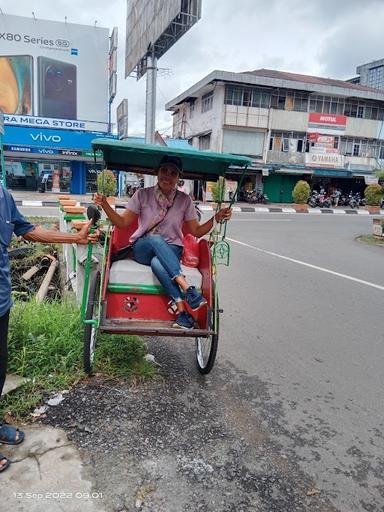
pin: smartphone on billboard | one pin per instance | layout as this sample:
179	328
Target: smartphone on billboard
16	84
57	88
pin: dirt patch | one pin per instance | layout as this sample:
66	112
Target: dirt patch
184	443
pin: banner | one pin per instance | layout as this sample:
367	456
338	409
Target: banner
327	124
55	71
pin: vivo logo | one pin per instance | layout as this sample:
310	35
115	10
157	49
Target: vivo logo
46	152
45	138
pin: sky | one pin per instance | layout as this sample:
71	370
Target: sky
326	38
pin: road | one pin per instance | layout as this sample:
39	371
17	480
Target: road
315	339
291	417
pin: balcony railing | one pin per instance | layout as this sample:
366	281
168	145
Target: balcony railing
280	157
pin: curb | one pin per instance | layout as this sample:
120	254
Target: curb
242	209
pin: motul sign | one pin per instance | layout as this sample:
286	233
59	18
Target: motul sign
328	124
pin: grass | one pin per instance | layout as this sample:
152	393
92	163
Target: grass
371	240
46	345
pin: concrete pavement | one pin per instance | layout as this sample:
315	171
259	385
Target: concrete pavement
46	471
37	199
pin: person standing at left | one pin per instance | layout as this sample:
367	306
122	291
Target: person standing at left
13	222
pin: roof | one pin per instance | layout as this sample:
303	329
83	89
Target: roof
309	79
278	79
146	158
172	143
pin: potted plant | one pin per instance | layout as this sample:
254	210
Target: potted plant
106	185
300	195
373	195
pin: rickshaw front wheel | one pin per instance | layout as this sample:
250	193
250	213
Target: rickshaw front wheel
206	348
90	330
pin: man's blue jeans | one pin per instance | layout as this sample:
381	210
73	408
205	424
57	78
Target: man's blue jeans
163	258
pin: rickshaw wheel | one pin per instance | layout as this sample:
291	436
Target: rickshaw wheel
206	348
91	313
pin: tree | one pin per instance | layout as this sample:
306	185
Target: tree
301	192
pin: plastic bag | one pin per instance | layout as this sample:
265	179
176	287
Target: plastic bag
190	257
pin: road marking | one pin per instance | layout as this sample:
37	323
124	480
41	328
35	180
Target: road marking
315	267
261	220
33	203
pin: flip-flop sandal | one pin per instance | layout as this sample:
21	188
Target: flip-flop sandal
3	467
8	435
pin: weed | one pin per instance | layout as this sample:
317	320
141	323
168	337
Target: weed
46	344
371	240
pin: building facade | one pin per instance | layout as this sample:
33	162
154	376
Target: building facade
370	74
329	132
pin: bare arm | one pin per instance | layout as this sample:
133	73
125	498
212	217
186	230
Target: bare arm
40	234
121	221
200	230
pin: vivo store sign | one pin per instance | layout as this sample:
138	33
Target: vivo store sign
48	139
53	74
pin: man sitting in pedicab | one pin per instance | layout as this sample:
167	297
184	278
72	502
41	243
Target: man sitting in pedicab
161	212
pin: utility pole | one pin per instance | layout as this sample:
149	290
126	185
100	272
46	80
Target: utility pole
150	106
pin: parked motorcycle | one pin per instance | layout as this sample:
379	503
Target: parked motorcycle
353	201
313	200
256	196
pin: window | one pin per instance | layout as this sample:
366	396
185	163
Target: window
207	102
265	100
285	145
300	145
300	103
205	142
356	149
256	97
247	96
191	109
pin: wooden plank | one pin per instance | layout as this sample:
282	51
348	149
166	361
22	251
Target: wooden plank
150	328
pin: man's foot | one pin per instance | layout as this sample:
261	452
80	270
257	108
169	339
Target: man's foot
4	463
194	298
10	435
184	321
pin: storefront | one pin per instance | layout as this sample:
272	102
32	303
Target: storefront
63	159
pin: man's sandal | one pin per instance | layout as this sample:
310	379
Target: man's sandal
8	435
3	467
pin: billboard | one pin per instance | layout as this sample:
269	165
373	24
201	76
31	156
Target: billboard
327	124
157	25
53	74
122	119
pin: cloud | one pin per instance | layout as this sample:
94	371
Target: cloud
326	38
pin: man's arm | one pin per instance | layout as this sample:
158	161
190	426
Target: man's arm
121	221
40	234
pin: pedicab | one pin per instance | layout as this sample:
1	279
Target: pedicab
124	296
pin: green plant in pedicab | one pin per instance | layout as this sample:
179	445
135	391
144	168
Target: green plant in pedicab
106	183
220	247
373	194
301	192
218	190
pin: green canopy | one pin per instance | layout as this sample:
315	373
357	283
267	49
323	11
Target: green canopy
146	158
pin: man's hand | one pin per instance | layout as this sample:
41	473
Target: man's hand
100	200
223	214
83	236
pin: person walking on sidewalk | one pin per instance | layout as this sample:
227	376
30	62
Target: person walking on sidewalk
161	212
13	222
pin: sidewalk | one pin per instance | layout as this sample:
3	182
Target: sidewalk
47	471
38	199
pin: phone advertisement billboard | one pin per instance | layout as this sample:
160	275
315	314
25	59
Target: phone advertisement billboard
53	74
